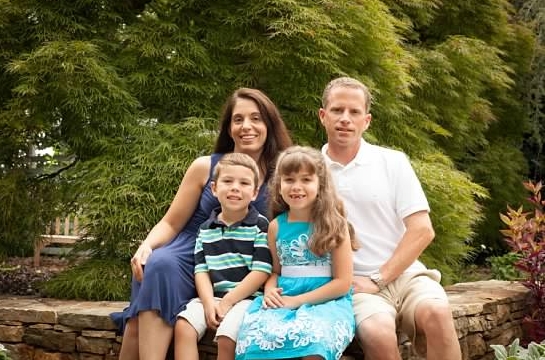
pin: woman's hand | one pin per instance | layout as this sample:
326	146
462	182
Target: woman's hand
139	260
272	298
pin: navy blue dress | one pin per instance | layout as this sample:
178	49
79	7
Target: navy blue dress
168	282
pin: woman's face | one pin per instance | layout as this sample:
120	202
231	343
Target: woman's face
248	129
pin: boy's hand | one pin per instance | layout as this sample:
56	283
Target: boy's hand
211	317
272	298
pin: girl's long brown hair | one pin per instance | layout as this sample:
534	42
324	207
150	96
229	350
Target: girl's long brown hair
328	215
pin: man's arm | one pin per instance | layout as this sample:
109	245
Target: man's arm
418	235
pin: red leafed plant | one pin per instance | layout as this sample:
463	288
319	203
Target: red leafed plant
525	235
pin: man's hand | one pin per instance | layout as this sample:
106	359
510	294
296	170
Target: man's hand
272	298
139	260
362	284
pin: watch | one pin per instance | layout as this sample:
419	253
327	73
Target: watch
376	278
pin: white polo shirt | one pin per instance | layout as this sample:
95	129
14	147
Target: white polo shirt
379	189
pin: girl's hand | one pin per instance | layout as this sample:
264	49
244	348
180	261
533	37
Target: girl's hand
272	298
222	307
139	260
362	284
291	302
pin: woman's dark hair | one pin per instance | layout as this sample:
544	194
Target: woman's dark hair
278	138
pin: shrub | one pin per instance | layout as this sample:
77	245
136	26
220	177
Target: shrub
515	351
503	267
4	355
94	279
525	235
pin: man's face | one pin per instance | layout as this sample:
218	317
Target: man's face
344	117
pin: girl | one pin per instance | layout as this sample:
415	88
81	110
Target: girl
306	311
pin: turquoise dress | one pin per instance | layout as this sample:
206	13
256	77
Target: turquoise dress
324	329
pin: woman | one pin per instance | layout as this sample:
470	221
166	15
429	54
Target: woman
250	124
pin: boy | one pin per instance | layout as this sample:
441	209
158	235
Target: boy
232	260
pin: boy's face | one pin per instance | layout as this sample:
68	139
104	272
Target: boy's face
235	188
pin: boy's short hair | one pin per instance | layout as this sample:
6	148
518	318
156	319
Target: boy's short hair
236	159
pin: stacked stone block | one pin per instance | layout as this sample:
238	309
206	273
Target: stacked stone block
485	313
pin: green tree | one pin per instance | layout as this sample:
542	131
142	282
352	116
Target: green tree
123	89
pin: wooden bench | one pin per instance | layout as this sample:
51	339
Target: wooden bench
64	232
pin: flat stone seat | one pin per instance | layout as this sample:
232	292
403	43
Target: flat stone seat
484	312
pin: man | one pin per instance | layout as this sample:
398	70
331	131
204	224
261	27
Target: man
390	213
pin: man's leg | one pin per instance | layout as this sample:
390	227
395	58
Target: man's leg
425	313
433	318
376	325
377	337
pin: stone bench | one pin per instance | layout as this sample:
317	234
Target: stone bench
485	313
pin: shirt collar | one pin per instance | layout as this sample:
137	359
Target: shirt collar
362	157
250	219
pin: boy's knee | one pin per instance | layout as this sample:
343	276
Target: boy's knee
225	344
184	330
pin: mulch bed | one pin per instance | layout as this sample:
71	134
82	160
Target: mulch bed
18	276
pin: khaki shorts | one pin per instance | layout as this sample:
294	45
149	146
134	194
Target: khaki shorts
400	299
194	314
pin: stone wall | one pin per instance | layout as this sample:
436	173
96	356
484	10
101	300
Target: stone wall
485	313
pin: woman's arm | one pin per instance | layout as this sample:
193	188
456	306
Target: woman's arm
341	266
180	211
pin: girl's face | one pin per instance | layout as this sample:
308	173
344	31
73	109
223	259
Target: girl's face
299	190
248	129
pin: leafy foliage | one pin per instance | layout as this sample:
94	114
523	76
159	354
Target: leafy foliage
447	252
125	91
4	355
503	267
95	279
525	235
126	191
534	351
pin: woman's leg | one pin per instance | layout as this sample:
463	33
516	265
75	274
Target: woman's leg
129	345
154	336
